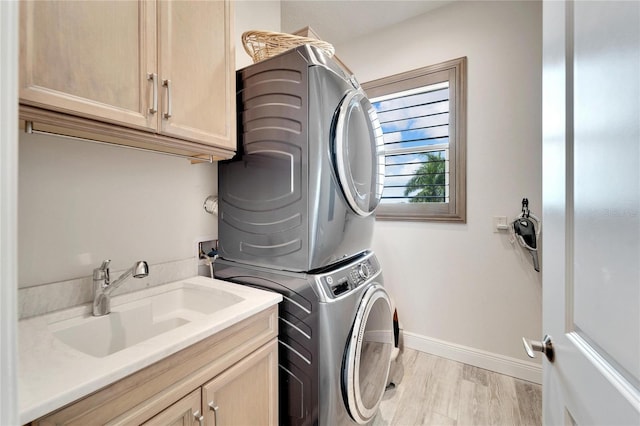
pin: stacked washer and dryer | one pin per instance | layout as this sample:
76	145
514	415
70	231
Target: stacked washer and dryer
296	217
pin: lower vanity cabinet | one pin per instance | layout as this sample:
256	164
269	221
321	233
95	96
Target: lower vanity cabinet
230	378
245	394
185	412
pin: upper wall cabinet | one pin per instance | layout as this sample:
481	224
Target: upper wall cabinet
196	70
157	75
90	59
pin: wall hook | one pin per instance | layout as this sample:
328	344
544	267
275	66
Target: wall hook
525	207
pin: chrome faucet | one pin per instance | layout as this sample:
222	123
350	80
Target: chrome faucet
103	287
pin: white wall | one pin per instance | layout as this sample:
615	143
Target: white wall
261	15
80	203
8	213
460	288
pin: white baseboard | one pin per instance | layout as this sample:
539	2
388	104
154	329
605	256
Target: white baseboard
513	367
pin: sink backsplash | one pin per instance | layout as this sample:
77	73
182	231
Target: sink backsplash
51	297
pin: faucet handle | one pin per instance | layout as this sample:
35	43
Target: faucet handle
102	273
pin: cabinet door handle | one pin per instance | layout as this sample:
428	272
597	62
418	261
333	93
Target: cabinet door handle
214	408
167	84
154	103
199	417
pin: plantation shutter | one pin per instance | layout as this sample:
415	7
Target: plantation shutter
415	125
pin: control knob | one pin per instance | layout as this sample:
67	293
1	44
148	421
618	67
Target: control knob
363	271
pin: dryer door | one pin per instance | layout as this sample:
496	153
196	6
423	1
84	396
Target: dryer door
368	355
358	150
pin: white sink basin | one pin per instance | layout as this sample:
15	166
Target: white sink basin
68	354
134	322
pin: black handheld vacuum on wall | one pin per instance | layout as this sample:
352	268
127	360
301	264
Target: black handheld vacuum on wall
526	229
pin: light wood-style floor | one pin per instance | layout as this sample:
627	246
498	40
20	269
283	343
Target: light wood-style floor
438	391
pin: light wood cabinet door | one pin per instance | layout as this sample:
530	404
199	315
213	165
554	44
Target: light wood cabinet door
245	394
89	59
197	60
185	412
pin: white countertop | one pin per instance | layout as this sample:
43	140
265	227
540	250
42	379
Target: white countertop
52	374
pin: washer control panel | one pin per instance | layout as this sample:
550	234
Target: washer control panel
349	277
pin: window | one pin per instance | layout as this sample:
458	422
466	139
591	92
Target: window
423	119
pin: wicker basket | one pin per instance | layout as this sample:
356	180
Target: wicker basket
261	45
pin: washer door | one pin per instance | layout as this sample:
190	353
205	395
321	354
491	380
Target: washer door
359	152
368	355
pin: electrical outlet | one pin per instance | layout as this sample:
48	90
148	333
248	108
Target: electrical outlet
500	224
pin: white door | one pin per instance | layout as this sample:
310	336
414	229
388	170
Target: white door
591	196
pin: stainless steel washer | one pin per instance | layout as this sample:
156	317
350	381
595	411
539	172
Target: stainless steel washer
335	338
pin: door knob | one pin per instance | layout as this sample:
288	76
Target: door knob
546	347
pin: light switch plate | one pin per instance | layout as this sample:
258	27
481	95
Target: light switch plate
500	224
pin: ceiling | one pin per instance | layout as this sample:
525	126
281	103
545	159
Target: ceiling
337	21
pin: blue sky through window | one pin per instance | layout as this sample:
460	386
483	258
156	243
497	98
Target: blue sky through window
414	123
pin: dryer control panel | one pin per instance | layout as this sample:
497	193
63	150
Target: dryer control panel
344	279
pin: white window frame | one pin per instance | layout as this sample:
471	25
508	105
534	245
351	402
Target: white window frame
454	72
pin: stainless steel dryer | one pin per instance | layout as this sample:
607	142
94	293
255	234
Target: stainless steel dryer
335	339
301	192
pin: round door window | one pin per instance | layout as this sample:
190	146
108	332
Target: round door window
368	355
359	153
